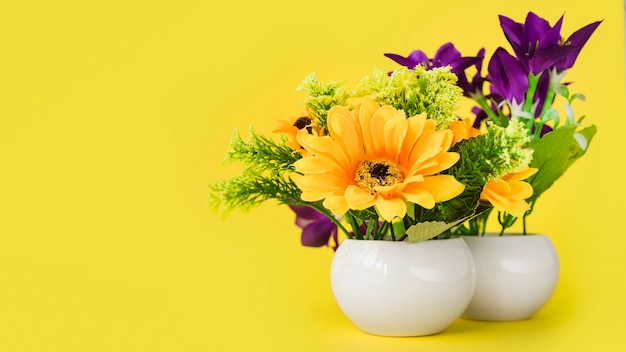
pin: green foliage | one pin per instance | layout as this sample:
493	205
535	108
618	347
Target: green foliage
429	229
416	91
267	166
249	190
554	153
261	153
499	151
321	97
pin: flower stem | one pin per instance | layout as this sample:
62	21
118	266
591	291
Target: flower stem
482	102
530	93
356	229
329	216
547	103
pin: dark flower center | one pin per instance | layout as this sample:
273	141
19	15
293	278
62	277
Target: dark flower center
302	122
370	174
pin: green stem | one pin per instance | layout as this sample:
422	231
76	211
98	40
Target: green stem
355	226
369	229
330	216
482	102
530	93
529	98
382	230
547	104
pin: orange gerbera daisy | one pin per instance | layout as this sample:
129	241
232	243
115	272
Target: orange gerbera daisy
375	156
463	129
509	193
293	125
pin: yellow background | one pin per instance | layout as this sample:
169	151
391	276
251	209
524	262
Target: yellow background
115	115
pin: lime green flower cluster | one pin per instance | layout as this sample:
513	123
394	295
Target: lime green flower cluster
416	91
322	96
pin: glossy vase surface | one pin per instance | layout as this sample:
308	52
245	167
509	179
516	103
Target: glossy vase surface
400	288
515	276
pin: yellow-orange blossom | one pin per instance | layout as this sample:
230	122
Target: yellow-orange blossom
375	156
508	193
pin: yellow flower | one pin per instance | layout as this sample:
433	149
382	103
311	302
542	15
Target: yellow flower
375	156
508	193
293	125
462	129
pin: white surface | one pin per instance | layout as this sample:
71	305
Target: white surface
403	289
515	276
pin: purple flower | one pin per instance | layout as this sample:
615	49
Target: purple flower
447	55
508	78
540	46
317	229
416	57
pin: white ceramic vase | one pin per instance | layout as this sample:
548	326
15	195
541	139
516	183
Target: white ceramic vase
402	289
515	276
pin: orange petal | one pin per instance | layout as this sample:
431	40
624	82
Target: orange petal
359	198
327	183
342	128
414	131
390	208
394	132
318	165
441	161
426	147
442	187
498	186
521	190
377	126
418	196
517	208
520	175
325	147
447	140
366	111
499	202
336	203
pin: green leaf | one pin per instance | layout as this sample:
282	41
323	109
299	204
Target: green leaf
554	153
426	230
571	116
562	90
365	214
578	96
551	114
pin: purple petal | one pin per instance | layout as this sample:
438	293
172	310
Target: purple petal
479	64
480	116
535	29
415	57
419	57
305	215
552	37
514	33
552	56
462	63
445	55
317	233
507	75
578	39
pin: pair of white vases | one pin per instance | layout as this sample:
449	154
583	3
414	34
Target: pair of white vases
414	289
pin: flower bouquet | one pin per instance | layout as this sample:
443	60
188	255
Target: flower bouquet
390	160
517	275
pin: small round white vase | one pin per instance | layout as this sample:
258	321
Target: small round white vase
402	289
515	276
